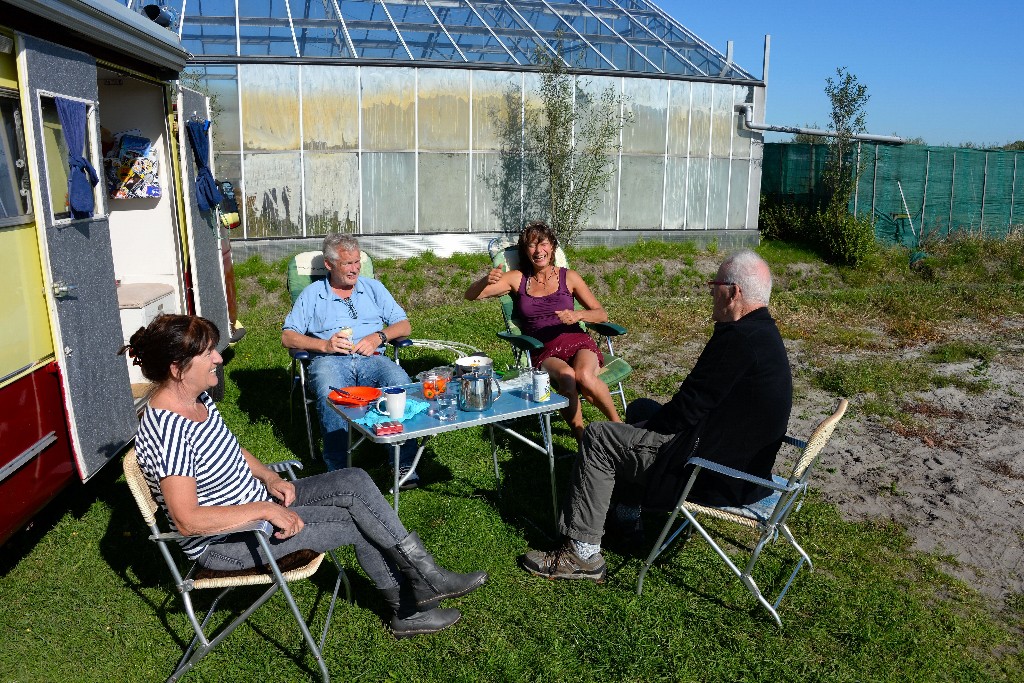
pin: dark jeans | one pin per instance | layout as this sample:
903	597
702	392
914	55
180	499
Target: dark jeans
343	507
613	456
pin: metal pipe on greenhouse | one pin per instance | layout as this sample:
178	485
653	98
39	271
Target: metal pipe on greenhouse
748	120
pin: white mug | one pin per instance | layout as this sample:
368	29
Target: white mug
394	401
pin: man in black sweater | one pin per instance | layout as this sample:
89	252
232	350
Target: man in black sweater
732	409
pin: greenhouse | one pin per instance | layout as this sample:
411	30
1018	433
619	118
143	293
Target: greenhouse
379	118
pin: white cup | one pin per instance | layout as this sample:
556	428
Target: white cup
394	403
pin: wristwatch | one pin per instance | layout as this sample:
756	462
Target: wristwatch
383	337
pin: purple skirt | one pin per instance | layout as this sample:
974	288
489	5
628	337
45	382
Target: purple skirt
565	346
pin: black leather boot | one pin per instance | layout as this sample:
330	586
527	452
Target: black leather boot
407	620
430	583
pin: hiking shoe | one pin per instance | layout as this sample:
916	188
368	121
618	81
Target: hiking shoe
564	563
411	483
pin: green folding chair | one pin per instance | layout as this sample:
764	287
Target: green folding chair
505	255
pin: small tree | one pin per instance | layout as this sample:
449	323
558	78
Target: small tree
844	237
560	155
848	97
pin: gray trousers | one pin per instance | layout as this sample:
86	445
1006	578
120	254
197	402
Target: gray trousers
610	452
343	507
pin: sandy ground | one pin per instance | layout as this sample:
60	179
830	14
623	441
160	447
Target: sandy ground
956	484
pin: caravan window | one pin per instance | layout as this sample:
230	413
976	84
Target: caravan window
15	196
56	157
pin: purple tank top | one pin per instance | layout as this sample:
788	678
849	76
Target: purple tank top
537	313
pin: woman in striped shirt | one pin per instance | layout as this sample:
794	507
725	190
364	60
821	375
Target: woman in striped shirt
208	484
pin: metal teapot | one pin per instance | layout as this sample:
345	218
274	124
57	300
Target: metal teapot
476	390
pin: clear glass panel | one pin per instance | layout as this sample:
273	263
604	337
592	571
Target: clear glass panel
471	35
432	45
723	122
679	118
697	194
605	208
599	36
318	30
389	199
330	107
389	108
490	106
719	195
444	109
15	192
640	193
270	106
221	84
738	194
421	32
487	217
332	192
647	98
371	31
517	36
700	119
208	9
675	193
378	44
273	197
227	168
444	192
208	28
263	28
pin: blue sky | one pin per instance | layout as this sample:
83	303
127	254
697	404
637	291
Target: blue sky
945	71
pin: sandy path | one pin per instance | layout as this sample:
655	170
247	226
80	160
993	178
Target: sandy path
957	484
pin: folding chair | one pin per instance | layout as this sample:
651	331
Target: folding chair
768	516
505	255
293	567
308	267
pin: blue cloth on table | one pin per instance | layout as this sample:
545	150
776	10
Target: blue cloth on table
413	406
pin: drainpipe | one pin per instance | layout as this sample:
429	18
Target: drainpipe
748	120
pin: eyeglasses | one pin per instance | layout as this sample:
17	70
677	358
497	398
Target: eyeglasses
714	283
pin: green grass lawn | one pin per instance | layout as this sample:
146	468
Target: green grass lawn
85	596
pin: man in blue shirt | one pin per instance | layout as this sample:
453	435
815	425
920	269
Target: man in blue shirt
344	322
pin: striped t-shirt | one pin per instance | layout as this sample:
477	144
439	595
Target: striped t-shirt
171	445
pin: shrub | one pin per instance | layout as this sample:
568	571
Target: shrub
843	238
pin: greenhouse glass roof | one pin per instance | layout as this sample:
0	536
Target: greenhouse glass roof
630	36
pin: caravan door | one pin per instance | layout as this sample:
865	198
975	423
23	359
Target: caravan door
78	261
205	265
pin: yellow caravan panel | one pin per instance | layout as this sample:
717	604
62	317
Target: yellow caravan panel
8	65
26	323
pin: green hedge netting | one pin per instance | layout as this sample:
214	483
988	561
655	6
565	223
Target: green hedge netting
946	189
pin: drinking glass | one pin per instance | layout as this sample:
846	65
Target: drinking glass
447	408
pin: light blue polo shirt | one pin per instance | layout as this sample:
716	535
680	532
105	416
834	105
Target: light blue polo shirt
319	312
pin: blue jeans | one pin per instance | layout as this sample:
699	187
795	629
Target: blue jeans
346	371
338	508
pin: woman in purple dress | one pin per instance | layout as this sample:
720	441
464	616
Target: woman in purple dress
544	297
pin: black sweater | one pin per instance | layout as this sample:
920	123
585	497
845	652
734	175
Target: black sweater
736	401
